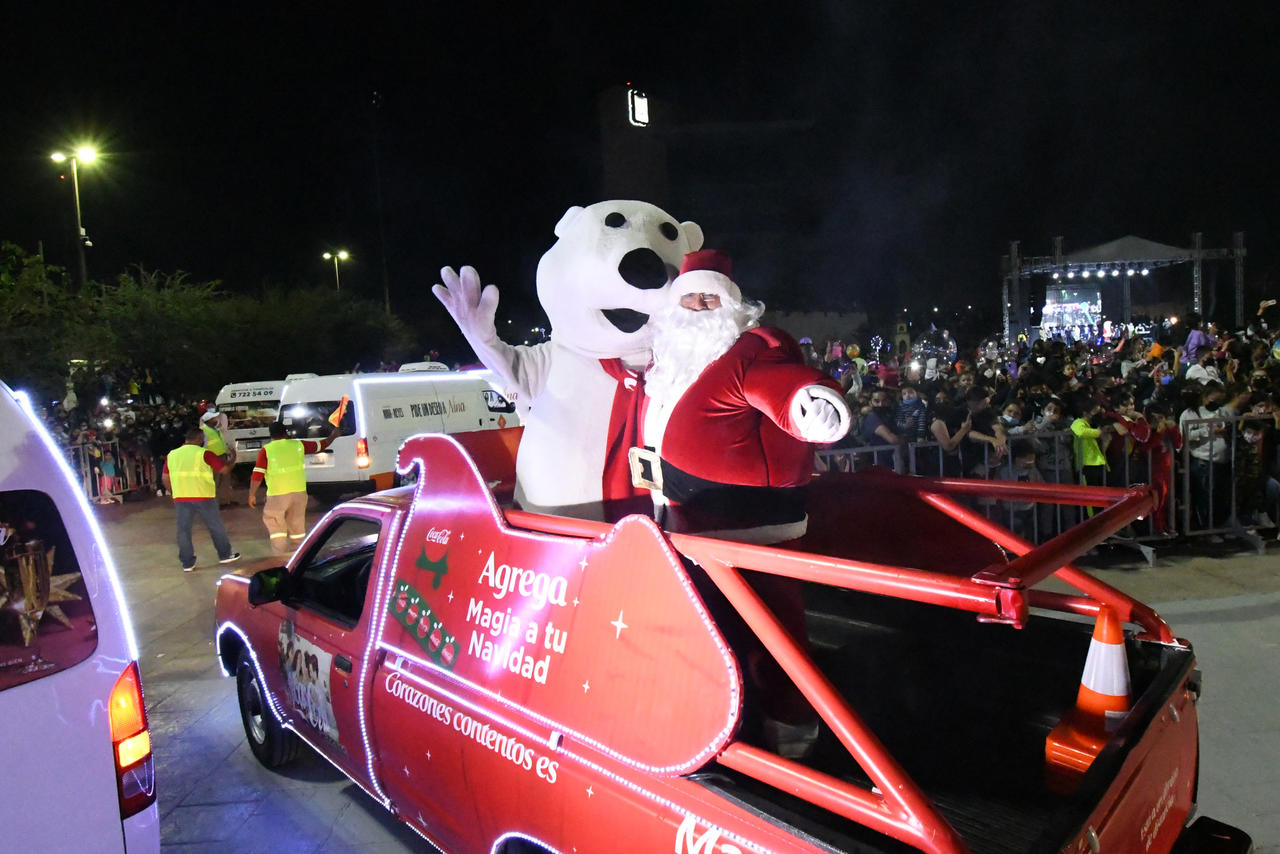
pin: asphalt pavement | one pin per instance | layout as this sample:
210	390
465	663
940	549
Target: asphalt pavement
215	797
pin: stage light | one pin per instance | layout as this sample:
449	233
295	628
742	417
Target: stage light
1085	274
1146	271
1071	274
1114	273
1129	272
1057	275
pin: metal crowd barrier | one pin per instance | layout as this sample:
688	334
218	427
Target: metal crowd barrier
133	471
1233	496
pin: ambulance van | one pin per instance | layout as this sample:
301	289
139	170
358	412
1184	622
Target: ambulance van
78	772
384	410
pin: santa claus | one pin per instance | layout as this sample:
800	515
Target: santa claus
732	418
733	412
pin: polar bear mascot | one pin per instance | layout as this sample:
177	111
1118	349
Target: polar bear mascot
608	271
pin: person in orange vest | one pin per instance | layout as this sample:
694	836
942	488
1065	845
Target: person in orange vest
188	476
281	462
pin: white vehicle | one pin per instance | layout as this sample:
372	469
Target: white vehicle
384	410
76	750
250	408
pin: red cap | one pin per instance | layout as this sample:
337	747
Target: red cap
708	259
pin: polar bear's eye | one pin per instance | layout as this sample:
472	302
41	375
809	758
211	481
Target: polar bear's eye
615	220
669	230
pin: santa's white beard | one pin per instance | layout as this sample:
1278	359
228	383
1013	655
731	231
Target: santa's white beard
686	341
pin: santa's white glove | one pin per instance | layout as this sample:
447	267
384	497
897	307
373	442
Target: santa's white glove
819	414
470	306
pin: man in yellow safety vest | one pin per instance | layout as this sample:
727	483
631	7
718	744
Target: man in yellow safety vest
214	425
282	463
188	476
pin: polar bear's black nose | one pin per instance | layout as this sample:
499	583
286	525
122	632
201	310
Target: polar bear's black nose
644	269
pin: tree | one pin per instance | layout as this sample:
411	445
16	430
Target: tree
190	337
38	320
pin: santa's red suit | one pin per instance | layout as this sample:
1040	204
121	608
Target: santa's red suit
733	462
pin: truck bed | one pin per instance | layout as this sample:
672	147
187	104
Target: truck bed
965	707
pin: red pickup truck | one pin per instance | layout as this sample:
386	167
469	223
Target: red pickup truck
504	681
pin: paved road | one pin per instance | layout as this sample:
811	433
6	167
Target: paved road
215	797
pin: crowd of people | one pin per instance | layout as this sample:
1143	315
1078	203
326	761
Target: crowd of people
118	447
1098	410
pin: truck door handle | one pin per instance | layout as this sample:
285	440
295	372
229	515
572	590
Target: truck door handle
342	663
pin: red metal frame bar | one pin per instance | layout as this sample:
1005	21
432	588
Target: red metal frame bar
836	796
1044	557
910	815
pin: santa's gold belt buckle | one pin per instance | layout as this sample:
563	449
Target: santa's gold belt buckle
646	469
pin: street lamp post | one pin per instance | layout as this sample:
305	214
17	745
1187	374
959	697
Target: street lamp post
85	154
340	255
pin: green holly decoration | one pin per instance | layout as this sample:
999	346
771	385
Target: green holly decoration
438	568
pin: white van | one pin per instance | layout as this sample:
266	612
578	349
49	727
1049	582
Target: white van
385	409
250	408
76	750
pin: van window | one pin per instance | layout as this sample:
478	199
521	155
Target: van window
248	414
496	402
46	619
333	577
311	420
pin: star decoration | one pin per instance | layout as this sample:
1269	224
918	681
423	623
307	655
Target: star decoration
590	792
450	597
583	563
575	601
619	625
406	770
586	686
42	592
428	755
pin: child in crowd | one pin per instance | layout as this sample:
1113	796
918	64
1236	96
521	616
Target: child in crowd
107	480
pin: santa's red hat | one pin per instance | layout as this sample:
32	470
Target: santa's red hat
707	271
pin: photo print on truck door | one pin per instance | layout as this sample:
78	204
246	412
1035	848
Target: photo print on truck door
306	672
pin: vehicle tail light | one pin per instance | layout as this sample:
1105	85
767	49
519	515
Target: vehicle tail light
362	453
131	744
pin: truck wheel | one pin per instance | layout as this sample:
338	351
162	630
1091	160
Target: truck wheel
270	742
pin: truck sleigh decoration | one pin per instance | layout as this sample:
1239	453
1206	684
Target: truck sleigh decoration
510	681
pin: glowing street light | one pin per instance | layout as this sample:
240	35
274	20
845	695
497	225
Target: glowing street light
340	255
83	154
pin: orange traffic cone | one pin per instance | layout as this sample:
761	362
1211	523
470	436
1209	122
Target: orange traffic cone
1101	705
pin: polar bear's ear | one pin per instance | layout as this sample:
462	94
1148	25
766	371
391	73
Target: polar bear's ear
567	220
692	233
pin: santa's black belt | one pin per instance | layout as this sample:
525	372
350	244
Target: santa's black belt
729	506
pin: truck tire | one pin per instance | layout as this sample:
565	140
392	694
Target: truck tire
270	742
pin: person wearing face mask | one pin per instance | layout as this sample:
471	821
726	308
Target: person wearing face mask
877	427
1011	419
1207	441
910	421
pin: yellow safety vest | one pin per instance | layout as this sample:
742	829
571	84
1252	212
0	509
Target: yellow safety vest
190	475
286	472
213	440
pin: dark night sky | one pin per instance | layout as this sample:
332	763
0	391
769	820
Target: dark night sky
877	153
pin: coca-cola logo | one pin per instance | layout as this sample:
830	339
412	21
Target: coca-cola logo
438	535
